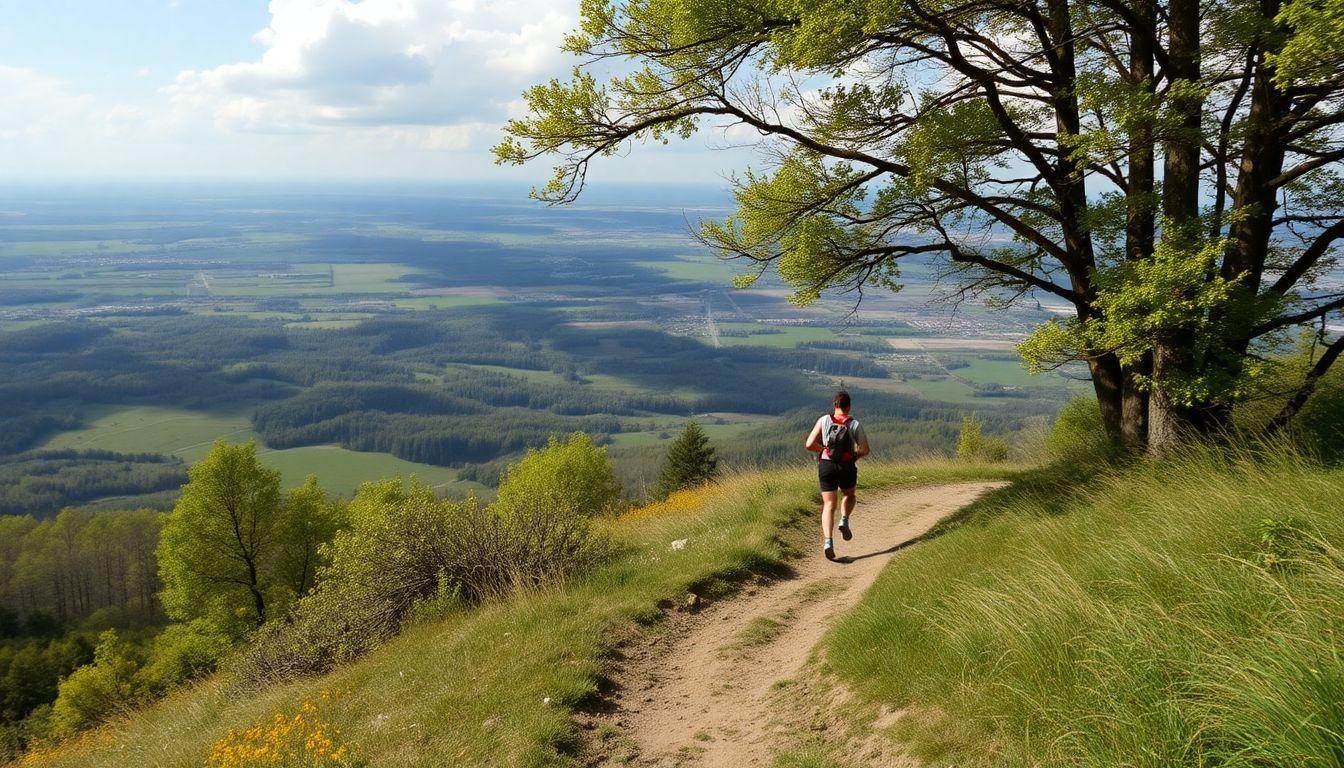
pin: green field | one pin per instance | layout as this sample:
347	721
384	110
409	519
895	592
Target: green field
189	434
761	335
695	269
670	427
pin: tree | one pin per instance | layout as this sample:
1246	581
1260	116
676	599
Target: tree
308	521
218	551
1018	143
972	445
572	476
971	440
690	461
94	691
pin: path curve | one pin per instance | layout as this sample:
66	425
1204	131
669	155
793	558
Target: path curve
698	696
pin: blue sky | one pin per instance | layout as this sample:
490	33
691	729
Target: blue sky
134	89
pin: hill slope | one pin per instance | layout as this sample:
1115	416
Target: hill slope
498	685
1184	614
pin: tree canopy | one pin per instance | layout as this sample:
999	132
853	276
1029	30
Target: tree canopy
1167	170
690	461
218	552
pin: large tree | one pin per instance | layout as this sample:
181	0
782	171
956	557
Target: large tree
1170	170
219	550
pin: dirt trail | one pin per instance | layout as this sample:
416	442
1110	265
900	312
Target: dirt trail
699	695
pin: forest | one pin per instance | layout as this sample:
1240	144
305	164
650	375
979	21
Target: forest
448	388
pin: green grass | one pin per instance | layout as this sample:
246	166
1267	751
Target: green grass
1184	614
189	434
471	689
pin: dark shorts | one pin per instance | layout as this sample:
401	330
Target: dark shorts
835	475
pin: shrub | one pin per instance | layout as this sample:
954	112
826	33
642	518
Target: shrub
1078	432
96	691
972	445
572	476
183	652
407	548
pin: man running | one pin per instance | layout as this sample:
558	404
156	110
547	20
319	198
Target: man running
840	441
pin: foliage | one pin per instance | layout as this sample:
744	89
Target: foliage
570	477
1319	429
30	671
219	549
80	566
1176	613
182	652
972	445
95	691
690	461
308	521
41	483
407	548
1311	52
1028	169
1078	433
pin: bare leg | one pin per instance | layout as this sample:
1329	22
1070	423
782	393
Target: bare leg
827	513
847	501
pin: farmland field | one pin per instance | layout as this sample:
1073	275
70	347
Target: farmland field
189	435
443	332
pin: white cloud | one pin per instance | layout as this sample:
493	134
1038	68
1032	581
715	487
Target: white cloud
376	88
333	64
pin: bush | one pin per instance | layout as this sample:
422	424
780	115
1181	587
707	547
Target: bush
1078	432
183	652
573	476
96	691
972	445
408	548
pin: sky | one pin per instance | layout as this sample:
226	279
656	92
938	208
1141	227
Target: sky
291	89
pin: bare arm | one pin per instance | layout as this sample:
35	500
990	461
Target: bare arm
861	448
813	442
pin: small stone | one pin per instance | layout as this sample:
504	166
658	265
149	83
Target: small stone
546	700
693	602
679	544
488	724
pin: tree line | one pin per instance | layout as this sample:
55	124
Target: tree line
40	483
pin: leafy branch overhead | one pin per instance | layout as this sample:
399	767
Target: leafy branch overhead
1167	171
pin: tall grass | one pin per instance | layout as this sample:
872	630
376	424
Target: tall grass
1188	613
498	684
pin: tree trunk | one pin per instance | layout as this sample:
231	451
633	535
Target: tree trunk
1140	225
1167	421
1108	383
1135	404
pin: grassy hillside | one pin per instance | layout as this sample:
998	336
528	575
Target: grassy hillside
1186	614
497	685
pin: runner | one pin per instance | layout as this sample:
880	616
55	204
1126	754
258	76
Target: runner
839	441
